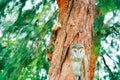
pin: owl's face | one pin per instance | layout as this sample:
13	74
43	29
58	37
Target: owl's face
77	51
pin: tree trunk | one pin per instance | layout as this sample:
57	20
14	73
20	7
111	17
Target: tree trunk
76	19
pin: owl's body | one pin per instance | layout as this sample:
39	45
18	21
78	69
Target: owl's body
78	61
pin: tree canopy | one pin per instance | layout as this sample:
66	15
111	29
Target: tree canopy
25	28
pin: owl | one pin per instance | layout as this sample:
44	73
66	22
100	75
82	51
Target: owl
79	61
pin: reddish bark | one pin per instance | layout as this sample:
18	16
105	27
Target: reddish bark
92	65
76	18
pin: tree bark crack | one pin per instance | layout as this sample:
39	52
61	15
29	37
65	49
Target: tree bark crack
65	48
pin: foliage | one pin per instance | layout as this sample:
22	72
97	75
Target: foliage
106	39
24	25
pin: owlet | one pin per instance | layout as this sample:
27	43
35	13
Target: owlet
79	61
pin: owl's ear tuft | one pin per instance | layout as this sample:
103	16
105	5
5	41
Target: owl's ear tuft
78	45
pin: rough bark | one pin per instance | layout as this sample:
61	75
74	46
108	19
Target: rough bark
76	18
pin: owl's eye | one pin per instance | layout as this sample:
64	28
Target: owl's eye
75	50
80	51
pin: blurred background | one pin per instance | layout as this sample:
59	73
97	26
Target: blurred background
25	29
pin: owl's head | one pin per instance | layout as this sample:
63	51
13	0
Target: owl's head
77	50
77	45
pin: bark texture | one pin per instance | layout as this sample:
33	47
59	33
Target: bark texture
76	18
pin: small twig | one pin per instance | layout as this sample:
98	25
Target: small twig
106	64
